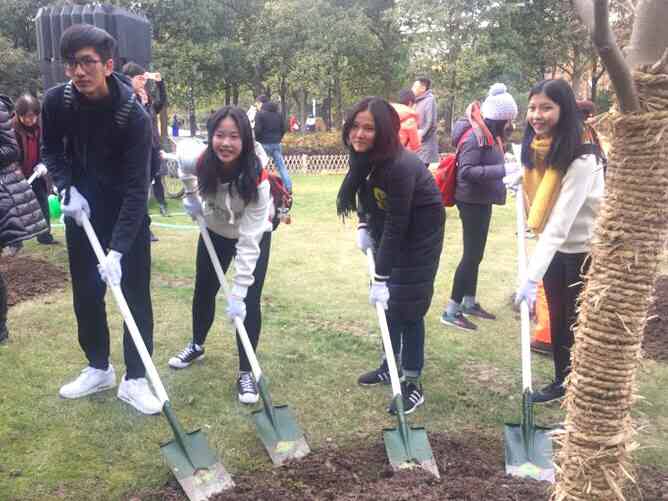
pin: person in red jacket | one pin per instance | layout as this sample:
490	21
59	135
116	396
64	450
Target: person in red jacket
408	119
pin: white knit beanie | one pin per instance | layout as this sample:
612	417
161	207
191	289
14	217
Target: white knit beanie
499	105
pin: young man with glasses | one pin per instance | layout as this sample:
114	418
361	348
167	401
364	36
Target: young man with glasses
96	143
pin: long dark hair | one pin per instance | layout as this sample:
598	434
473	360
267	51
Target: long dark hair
24	105
386	147
210	169
567	134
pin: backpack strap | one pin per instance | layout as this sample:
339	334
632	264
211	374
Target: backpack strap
121	115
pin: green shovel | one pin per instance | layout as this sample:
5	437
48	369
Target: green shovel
194	464
406	446
528	448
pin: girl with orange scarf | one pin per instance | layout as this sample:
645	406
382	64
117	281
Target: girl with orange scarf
564	189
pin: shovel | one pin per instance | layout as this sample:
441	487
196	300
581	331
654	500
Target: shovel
406	447
194	464
276	425
528	447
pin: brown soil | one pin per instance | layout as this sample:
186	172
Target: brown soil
27	277
471	467
655	342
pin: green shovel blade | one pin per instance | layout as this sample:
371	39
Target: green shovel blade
203	481
280	434
529	452
420	453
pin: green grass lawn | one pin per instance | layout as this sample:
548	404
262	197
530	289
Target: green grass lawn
319	333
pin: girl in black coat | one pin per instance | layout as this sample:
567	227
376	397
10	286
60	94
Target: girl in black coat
402	219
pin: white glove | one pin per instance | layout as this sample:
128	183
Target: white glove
511	168
236	308
193	206
77	206
110	269
379	293
40	170
527	292
364	240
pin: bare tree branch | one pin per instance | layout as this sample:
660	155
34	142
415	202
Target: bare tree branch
595	13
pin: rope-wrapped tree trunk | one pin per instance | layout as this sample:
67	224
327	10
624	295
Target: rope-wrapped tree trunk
594	462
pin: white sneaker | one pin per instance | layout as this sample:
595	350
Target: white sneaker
138	394
90	381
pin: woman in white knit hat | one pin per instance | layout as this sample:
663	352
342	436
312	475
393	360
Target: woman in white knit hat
480	173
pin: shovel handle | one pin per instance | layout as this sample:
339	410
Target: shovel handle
117	292
32	177
525	321
238	323
385	333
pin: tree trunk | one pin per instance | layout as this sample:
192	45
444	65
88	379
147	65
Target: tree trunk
228	94
631	229
235	94
191	111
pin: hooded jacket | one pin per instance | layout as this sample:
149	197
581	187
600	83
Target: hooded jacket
405	216
408	132
480	171
227	214
103	149
20	214
269	126
425	106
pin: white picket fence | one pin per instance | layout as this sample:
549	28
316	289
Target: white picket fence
315	164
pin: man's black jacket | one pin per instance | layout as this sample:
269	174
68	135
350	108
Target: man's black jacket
102	148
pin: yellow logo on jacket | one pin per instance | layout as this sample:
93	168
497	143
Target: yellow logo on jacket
381	198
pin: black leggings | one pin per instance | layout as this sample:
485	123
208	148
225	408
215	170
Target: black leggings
475	227
207	285
3	304
563	282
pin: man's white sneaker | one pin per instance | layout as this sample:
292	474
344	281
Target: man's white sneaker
90	381
138	394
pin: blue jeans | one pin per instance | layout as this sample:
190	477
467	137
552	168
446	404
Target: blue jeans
276	153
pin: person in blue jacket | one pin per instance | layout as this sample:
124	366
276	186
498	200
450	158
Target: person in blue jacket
96	143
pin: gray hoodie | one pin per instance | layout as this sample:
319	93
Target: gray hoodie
425	106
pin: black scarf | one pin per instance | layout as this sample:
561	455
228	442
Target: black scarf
354	186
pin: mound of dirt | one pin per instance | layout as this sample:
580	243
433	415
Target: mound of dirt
27	277
655	342
471	467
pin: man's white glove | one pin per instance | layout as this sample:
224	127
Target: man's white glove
379	293
527	292
110	269
236	308
364	240
40	170
77	206
193	206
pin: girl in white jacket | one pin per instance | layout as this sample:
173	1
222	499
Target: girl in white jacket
564	184
234	198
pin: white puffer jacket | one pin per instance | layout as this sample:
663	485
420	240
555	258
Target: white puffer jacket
227	215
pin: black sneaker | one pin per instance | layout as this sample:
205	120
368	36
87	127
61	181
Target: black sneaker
163	210
247	388
553	391
381	375
153	237
458	320
477	311
191	353
541	347
4	334
47	239
413	397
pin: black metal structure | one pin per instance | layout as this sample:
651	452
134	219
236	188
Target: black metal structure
131	30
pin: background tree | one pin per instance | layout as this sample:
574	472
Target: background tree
595	458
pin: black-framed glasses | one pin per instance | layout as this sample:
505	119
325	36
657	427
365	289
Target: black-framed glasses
86	63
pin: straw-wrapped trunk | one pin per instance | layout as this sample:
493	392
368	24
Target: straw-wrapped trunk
594	462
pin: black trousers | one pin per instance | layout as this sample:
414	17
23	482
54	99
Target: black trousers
89	290
159	190
563	283
207	285
39	187
475	228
